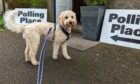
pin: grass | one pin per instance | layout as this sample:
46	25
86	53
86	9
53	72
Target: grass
1	23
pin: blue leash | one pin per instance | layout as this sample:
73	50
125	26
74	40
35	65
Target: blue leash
41	60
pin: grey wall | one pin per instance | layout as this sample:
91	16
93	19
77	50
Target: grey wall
124	4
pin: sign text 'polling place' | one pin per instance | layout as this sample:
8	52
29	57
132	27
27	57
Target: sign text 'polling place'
30	15
121	27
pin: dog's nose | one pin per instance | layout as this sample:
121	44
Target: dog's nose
71	23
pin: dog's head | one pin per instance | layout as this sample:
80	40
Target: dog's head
67	18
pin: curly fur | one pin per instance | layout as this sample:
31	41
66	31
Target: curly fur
33	32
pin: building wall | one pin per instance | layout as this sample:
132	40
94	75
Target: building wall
124	4
112	4
61	6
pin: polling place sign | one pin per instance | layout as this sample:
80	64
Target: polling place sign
121	27
30	15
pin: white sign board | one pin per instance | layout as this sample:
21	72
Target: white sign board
121	27
30	15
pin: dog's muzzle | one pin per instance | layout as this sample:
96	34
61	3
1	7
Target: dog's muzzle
70	24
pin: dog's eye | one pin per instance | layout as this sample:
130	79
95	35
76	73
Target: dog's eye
66	17
72	17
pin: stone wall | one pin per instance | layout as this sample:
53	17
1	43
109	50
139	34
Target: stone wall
124	4
1	7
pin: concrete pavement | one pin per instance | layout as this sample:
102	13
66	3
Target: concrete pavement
102	64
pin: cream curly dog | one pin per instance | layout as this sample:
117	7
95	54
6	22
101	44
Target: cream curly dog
33	32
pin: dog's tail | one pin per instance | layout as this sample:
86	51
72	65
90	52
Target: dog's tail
10	23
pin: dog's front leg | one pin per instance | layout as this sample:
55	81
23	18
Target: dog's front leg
64	51
55	50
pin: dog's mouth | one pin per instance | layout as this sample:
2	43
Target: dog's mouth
70	24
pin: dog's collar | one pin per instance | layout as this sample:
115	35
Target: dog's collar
65	32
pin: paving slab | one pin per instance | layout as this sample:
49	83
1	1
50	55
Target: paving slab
78	42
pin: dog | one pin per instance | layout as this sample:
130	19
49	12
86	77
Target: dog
33	32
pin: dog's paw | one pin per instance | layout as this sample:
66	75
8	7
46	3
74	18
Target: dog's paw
54	58
67	57
27	59
35	63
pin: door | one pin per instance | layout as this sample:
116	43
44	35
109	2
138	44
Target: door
76	8
62	5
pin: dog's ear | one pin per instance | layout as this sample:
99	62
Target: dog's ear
60	19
